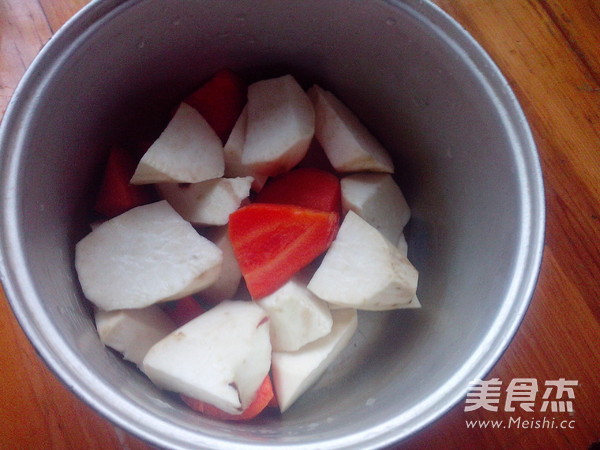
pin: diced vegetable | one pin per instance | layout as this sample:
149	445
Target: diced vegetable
377	198
281	124
413	304
273	242
264	397
221	357
403	249
146	255
349	145
306	273
297	316
209	202
311	188
363	270
133	332
402	244
187	151
295	372
230	277
116	194
220	101
232	152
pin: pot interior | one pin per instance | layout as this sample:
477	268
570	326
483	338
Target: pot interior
458	140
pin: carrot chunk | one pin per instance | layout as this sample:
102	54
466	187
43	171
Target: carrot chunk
116	194
311	188
263	398
220	101
272	242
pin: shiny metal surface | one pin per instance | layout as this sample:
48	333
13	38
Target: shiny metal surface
466	162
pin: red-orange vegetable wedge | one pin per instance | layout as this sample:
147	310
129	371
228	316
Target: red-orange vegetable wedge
116	194
220	101
311	188
183	310
263	397
272	242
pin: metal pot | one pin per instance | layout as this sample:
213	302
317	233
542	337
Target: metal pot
465	158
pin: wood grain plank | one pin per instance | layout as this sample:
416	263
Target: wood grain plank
559	340
579	23
36	410
24	31
58	12
547	75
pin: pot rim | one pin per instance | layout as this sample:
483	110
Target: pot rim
76	376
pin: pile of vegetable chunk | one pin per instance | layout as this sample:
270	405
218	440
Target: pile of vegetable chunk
234	253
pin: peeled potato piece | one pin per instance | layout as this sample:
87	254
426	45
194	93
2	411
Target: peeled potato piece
233	150
230	277
297	316
221	357
348	144
378	199
364	270
133	332
209	202
187	151
281	124
146	255
295	372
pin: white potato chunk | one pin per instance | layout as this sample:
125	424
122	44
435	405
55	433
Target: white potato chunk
297	316
187	151
146	255
233	150
132	332
229	279
209	202
348	144
281	124
403	248
402	245
363	270
221	357
378	199
413	304
295	372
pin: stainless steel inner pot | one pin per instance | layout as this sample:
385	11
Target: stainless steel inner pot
465	159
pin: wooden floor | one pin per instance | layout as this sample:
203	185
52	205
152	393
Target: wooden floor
549	50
